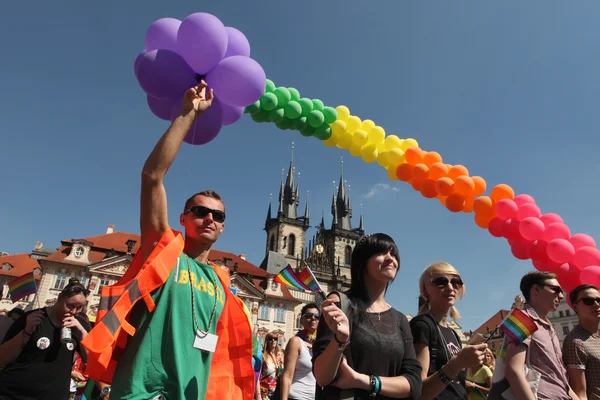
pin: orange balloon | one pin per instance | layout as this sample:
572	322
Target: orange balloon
444	186
469	204
432	157
414	155
456	171
438	170
483	206
428	189
502	191
482	221
464	185
455	202
442	200
416	184
480	185
404	172
420	172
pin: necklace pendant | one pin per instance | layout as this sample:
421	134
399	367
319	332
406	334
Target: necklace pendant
379	316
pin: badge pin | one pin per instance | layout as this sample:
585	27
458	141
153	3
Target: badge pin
70	346
43	343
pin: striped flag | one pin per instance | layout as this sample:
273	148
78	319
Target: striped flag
303	280
22	287
518	326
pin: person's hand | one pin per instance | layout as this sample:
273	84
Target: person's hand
73	323
347	377
77	376
196	99
336	320
469	384
471	356
32	321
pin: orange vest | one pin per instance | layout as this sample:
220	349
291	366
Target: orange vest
231	375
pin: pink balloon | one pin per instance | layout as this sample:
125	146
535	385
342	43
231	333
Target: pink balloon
586	256
511	229
557	230
580	240
520	249
506	209
591	275
548	265
496	227
529	210
539	250
569	277
551	218
524	199
560	250
532	228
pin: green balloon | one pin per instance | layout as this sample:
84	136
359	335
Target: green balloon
323	132
299	124
330	114
308	131
268	101
283	96
318	105
316	118
276	115
261	116
293	110
294	93
284	124
253	108
307	106
270	86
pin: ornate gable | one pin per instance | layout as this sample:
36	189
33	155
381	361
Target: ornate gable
115	266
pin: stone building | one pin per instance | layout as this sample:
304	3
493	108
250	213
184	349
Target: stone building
563	320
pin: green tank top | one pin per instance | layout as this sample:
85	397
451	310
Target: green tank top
160	358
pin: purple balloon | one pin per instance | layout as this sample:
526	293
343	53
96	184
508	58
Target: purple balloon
231	113
237	44
238	81
207	125
161	107
138	59
164	74
202	41
162	34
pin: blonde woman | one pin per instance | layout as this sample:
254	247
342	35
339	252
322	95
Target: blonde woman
490	360
479	379
272	366
437	346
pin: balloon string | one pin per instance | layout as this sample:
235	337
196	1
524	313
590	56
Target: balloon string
189	172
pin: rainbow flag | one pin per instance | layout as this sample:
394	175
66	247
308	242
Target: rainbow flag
518	326
21	287
303	280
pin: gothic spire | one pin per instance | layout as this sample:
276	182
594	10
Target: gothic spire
361	226
306	209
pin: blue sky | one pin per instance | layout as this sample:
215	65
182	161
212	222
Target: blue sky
508	89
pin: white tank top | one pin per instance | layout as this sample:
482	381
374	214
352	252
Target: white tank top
304	383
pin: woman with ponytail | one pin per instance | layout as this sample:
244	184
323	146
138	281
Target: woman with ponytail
437	346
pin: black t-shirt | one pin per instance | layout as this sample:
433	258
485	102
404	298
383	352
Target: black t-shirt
379	347
446	348
43	369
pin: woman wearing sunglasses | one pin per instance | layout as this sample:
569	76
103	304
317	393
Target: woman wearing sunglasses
298	381
369	352
438	347
38	363
272	366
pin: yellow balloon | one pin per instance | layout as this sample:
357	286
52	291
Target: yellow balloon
352	124
369	153
343	113
391	171
338	127
396	157
381	147
408	143
333	139
355	150
376	135
345	141
392	142
359	138
382	159
367	125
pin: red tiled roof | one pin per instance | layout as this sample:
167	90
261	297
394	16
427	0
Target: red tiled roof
284	289
492	323
115	240
244	266
21	265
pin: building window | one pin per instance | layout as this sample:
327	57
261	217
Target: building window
274	286
272	243
568	313
298	323
565	329
280	316
347	255
263	313
103	282
249	305
560	314
261	341
84	281
61	279
292	245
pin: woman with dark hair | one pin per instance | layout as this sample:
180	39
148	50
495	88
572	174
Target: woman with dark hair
38	348
365	350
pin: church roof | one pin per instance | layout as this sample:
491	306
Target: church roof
21	264
273	263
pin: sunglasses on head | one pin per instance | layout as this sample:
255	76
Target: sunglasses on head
310	315
442	281
589	301
201	212
272	339
555	289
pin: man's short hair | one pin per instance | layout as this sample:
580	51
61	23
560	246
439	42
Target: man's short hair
206	193
575	292
534	278
307	307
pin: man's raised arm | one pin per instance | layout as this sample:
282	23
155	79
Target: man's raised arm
153	208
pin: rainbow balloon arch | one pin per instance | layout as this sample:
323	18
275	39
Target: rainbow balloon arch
178	54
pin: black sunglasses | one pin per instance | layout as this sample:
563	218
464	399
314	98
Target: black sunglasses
555	289
201	212
442	281
310	315
272	339
589	301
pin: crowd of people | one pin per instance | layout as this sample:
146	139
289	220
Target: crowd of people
194	340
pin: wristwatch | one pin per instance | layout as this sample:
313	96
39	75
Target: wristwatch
105	392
